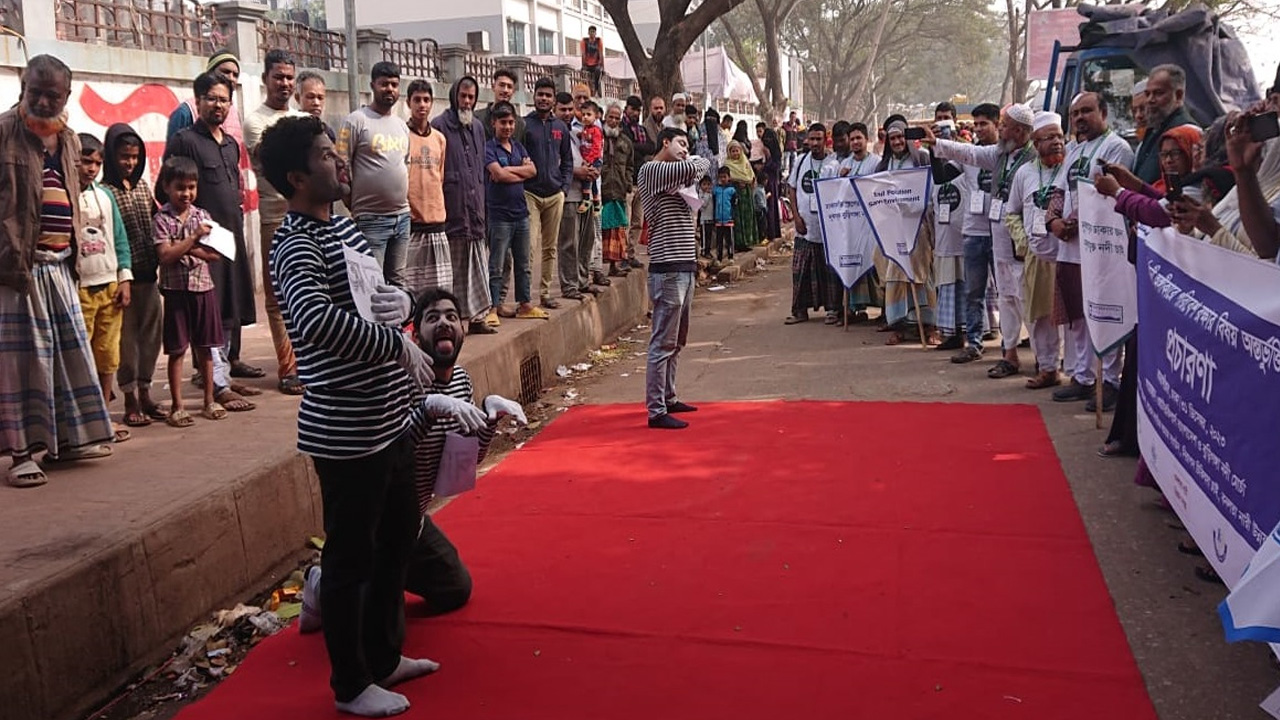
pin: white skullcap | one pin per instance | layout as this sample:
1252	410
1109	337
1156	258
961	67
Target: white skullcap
1021	114
1046	119
1139	87
679	96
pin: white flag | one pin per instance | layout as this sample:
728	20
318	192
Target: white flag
1110	281
847	235
895	203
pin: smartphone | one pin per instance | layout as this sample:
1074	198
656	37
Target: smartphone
946	128
1172	186
1264	127
914	133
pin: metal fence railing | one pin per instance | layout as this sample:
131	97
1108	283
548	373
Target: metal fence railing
312	48
180	29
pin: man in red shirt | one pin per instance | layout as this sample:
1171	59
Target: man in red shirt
592	53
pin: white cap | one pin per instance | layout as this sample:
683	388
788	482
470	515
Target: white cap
1139	87
1021	114
1044	119
679	96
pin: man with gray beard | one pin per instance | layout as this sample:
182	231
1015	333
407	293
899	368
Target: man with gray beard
464	202
1166	91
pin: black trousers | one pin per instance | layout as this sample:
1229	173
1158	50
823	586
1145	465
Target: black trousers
436	573
370	521
1124	423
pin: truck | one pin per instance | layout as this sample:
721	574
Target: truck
1120	45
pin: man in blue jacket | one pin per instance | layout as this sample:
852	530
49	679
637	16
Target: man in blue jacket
547	140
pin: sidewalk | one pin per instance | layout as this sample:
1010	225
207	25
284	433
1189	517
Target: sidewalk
103	569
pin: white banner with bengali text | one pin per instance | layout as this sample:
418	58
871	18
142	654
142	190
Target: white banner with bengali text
1110	281
846	234
895	203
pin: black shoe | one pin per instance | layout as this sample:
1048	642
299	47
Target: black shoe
1026	343
481	328
1073	392
666	422
1110	394
954	342
679	407
967	355
989	336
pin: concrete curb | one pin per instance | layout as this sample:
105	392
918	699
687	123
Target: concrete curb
81	622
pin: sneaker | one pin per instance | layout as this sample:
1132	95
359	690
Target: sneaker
681	407
309	619
1073	392
967	355
1110	395
953	342
666	422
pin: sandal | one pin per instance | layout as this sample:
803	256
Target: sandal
550	303
246	390
291	385
1002	369
155	412
233	401
532	313
120	435
795	319
179	419
831	319
241	369
505	311
1044	379
91	452
895	338
137	418
1115	449
213	411
26	474
480	328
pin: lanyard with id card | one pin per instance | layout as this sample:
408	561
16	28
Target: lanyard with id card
996	212
977	202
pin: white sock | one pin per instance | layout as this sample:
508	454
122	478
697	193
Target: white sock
374	701
408	669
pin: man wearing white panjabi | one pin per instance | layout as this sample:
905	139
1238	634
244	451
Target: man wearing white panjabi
1025	215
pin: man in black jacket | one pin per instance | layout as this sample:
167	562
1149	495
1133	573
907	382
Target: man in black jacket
1166	88
643	149
547	140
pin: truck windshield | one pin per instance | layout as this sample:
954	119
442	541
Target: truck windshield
1113	77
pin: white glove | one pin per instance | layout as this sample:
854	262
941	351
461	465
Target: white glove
441	407
390	305
496	407
415	362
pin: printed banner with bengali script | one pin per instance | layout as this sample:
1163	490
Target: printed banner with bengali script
1109	280
1208	390
846	234
895	203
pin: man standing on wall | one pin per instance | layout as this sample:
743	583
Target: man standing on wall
592	52
278	79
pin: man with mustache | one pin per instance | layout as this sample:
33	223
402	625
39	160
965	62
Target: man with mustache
1002	160
374	142
1098	143
354	418
1025	219
1166	90
52	398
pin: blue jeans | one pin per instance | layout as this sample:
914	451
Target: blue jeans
388	238
672	298
514	236
977	270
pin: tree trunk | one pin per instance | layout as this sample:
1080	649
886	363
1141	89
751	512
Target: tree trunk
874	52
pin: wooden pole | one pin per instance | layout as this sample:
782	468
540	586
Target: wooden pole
1097	397
844	310
924	345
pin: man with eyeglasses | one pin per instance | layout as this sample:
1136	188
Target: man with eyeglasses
217	154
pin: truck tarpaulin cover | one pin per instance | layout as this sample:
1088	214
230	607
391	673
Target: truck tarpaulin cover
1194	40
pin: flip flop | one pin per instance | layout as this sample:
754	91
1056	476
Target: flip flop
213	411
120	435
291	385
180	419
91	452
240	369
233	401
246	390
136	419
26	474
1002	369
155	412
533	313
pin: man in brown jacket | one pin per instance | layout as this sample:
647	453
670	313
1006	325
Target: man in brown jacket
50	398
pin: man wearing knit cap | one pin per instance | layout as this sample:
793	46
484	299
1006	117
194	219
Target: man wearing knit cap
1095	142
1003	160
1025	214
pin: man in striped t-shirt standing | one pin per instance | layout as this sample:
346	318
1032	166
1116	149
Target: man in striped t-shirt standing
665	184
354	418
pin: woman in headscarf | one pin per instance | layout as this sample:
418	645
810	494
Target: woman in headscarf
711	136
772	227
902	298
744	180
741	135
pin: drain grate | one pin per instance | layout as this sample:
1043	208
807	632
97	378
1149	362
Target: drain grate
530	378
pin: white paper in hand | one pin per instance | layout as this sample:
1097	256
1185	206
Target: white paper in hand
457	471
690	195
221	241
364	275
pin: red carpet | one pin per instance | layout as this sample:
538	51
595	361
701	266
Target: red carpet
777	560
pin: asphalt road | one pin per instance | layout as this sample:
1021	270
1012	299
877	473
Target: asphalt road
740	350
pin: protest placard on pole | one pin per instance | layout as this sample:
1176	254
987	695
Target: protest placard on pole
1109	282
895	203
846	233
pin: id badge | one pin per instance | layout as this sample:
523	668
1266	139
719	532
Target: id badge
944	214
997	209
813	203
1038	226
977	202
